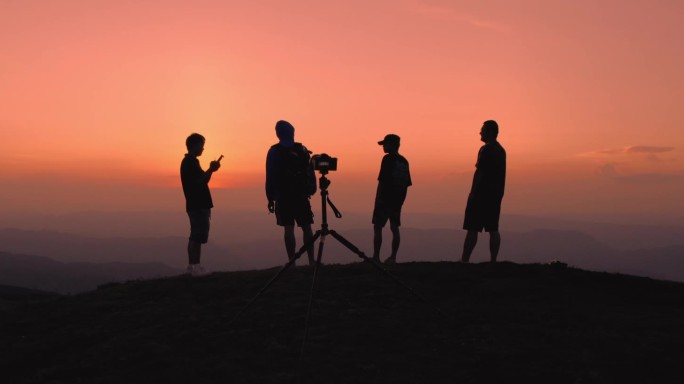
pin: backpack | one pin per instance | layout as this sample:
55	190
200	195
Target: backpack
294	175
400	174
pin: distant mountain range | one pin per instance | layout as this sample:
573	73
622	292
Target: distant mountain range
69	248
534	246
42	273
652	251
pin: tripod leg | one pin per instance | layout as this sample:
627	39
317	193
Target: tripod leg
377	266
311	294
274	278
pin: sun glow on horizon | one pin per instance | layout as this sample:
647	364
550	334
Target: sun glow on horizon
105	96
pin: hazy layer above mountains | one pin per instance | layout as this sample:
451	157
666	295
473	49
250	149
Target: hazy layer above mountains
46	274
244	240
232	227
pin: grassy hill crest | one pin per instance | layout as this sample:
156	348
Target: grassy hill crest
507	323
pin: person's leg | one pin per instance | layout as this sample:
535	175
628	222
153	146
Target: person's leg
396	240
290	242
494	245
469	245
377	241
308	235
194	252
285	219
199	232
205	215
380	217
472	222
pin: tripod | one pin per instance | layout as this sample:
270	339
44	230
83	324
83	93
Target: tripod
322	234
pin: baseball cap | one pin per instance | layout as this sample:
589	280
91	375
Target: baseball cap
390	139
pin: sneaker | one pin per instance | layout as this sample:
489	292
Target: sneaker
198	270
190	269
391	260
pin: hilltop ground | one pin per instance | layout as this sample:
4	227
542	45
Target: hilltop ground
505	323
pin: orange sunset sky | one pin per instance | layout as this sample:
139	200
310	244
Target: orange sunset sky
98	96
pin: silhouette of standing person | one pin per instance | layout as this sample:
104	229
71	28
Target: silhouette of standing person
484	201
290	182
198	201
393	182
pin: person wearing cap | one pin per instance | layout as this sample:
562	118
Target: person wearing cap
290	182
393	182
484	201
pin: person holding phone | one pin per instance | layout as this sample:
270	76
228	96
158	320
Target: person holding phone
198	202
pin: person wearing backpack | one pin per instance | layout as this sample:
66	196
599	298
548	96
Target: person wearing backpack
290	182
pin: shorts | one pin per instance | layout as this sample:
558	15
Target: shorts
382	213
295	209
482	215
199	225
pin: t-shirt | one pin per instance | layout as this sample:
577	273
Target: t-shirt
195	188
489	180
393	181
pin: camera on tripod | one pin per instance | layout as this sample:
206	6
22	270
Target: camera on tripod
324	163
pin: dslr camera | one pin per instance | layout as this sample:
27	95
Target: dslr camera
324	163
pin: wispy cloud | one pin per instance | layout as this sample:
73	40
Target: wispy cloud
647	178
608	170
636	164
445	13
621	172
647	152
648	149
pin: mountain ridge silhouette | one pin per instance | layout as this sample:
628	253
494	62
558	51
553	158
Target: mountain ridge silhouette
506	323
574	247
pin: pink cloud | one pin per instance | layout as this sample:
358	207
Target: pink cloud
451	14
647	152
639	149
